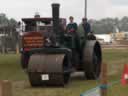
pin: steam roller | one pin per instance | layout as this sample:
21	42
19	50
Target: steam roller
49	54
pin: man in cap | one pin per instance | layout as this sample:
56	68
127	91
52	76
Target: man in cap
83	30
86	25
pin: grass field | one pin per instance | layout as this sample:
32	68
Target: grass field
115	58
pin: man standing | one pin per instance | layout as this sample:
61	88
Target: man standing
72	26
86	25
71	29
83	30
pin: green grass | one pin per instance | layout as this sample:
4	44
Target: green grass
115	58
10	68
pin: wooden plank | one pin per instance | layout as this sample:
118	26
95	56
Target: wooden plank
104	80
5	88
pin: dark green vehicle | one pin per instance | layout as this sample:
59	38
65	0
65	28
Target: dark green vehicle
49	54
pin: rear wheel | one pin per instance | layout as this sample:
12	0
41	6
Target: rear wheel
92	59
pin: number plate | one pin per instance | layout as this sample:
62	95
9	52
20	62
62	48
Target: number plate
45	77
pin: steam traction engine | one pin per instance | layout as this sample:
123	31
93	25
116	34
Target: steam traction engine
49	53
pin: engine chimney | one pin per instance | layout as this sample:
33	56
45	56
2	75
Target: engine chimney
55	18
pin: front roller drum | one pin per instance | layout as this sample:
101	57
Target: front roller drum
47	69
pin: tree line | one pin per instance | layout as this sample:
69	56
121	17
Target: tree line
102	26
108	25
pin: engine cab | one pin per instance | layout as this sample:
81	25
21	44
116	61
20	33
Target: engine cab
38	32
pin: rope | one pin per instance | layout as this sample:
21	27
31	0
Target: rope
102	86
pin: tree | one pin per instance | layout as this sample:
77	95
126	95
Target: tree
3	20
107	25
8	29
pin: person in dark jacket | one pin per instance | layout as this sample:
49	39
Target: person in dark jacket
71	29
83	30
86	25
72	26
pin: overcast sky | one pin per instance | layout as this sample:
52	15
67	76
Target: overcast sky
97	9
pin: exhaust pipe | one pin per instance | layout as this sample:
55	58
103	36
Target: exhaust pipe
55	17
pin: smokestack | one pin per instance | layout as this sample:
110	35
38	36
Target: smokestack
55	16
